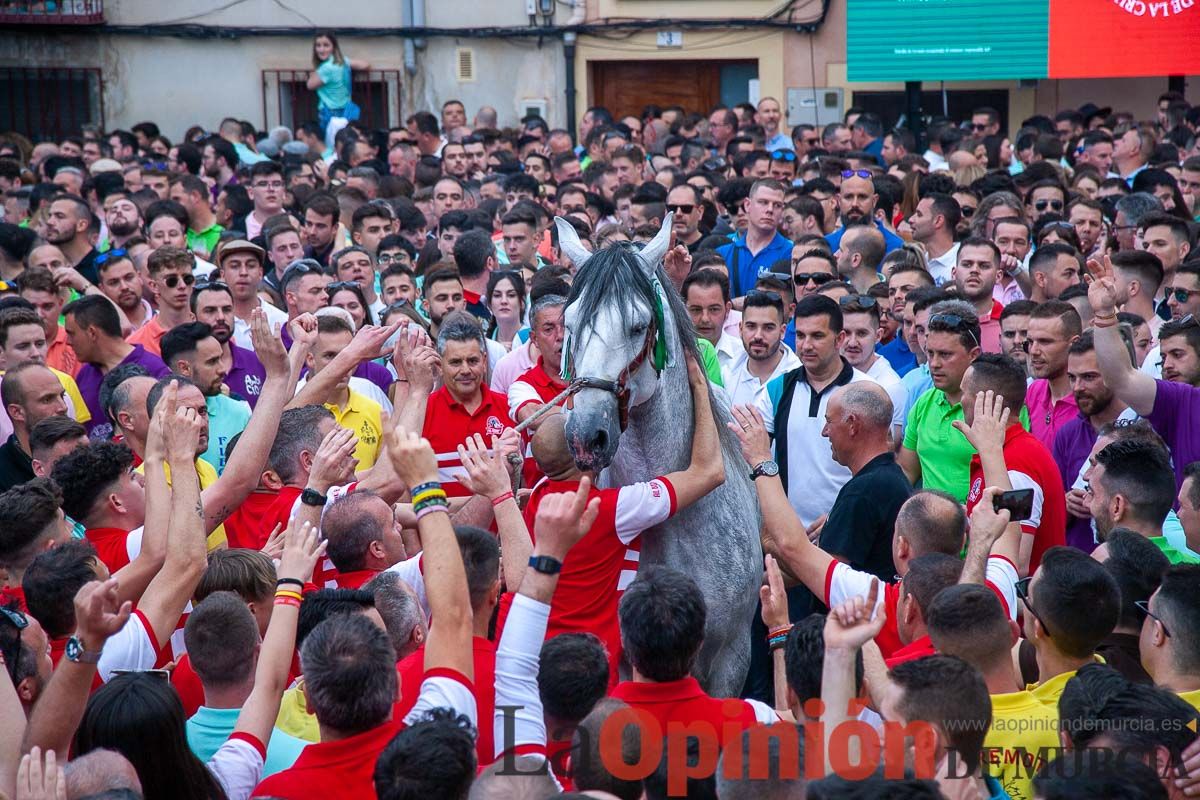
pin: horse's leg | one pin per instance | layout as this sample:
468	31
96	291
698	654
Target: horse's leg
725	656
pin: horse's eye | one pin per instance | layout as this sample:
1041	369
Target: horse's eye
637	330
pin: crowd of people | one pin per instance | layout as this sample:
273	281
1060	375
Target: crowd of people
284	511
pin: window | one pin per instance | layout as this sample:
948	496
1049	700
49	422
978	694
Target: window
50	102
287	100
52	12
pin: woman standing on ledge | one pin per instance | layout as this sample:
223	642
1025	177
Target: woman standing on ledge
330	79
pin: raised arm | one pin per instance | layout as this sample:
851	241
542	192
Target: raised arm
848	627
11	732
449	642
365	345
487	476
421	366
786	537
301	550
991	534
773	599
1135	388
986	434
134	577
98	615
707	468
245	466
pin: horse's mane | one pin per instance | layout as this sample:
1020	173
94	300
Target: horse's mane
614	275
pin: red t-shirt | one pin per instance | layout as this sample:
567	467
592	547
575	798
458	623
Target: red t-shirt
917	648
247	526
448	424
187	685
534	388
684	703
411	670
115	547
10	593
1030	466
604	562
354	580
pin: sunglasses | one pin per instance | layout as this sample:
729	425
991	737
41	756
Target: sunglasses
819	278
18	619
955	322
682	208
1042	205
173	279
812	142
975	126
861	173
339	285
864	300
111	255
1144	607
1022	587
1180	295
212	284
783	154
967	211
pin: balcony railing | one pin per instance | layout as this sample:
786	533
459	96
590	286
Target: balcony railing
287	100
48	103
51	12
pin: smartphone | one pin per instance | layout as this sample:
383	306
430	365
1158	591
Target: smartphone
157	673
1019	503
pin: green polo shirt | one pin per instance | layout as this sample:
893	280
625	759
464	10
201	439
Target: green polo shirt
944	453
207	238
1174	556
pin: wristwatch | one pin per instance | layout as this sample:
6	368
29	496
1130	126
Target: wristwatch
79	654
311	497
768	468
545	565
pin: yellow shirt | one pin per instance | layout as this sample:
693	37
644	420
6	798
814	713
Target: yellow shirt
71	389
1048	691
1192	698
294	718
365	417
208	476
1023	737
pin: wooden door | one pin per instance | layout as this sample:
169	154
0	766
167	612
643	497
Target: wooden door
625	87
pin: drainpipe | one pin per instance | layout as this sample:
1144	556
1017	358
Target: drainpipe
578	13
410	52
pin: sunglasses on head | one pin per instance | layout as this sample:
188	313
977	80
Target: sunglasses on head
864	300
339	285
19	620
955	323
819	278
211	284
861	173
783	154
681	208
1042	205
111	255
173	279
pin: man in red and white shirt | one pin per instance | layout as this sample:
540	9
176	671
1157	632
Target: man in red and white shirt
542	383
1019	462
464	405
350	671
602	565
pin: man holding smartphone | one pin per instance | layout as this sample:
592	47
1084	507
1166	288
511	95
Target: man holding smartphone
1009	457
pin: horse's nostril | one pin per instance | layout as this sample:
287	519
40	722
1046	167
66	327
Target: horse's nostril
599	440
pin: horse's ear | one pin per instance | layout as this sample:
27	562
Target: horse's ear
569	244
653	253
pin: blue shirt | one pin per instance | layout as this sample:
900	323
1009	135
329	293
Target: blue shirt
890	240
916	383
875	148
745	268
898	355
779	141
226	418
208	729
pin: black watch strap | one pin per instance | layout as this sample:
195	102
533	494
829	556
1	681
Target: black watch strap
545	565
311	497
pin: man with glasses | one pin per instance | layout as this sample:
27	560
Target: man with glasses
1132	209
1130	486
934	452
266	192
1170	636
933	223
171	281
1169	238
804	139
123	219
761	245
812	269
684	201
212	303
783	166
985	121
856	201
722	127
1045	197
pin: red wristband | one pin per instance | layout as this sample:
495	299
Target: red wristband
502	498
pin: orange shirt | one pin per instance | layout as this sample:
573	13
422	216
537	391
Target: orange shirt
149	336
61	356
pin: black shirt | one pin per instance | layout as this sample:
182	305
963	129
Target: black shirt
87	267
861	522
16	467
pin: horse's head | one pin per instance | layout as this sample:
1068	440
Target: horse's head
618	327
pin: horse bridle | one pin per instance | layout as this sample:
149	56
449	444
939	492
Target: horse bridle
619	387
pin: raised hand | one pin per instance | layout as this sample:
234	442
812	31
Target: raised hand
370	340
986	432
773	596
334	461
487	472
273	548
1102	286
988	524
302	547
752	434
304	330
38	782
268	346
563	518
156	436
856	621
99	613
413	458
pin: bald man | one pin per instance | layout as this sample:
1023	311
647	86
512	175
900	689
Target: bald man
860	255
599	559
101	771
858	421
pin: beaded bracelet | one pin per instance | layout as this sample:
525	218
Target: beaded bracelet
424	487
502	498
433	500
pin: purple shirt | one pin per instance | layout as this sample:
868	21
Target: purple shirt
1072	445
1176	417
90	377
1044	421
246	375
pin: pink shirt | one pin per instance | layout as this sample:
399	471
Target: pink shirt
1045	421
1007	294
511	367
989	330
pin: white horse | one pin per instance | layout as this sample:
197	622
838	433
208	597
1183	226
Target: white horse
626	333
